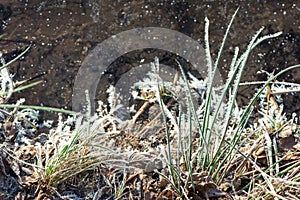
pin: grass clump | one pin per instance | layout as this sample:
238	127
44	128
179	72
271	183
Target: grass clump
216	156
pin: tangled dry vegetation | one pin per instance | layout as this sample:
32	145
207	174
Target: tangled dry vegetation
186	140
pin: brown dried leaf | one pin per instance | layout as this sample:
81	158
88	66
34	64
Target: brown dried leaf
167	194
294	156
205	186
260	150
26	153
297	146
286	131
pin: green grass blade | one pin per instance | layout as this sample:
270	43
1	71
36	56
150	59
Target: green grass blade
44	108
16	58
23	87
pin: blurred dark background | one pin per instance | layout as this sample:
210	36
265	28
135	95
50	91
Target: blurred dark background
62	32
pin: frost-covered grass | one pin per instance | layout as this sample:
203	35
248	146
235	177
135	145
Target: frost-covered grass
219	122
210	150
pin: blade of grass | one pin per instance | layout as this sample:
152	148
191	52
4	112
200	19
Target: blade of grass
23	87
206	128
44	108
220	52
242	63
246	114
203	147
16	58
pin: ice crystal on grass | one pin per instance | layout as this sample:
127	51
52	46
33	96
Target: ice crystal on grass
152	84
6	83
115	108
82	142
278	90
